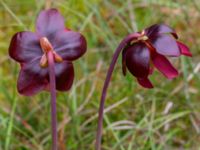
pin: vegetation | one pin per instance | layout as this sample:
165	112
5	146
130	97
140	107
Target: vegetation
166	117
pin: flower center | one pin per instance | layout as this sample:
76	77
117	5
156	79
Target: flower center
143	37
48	48
45	45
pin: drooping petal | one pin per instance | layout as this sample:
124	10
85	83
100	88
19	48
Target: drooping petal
49	22
164	66
28	83
184	49
64	75
124	62
158	29
165	45
25	47
145	82
69	45
138	60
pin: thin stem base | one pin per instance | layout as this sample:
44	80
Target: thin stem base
121	46
51	66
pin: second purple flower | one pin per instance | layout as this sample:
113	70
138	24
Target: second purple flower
149	49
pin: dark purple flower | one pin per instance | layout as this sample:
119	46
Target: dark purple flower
142	51
30	50
149	49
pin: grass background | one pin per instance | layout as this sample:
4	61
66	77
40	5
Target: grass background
164	118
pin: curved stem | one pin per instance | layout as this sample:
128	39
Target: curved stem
106	84
51	66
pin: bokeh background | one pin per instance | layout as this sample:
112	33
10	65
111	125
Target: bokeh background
164	118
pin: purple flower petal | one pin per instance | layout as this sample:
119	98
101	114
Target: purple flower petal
164	66
64	75
145	82
49	22
184	49
69	45
24	47
124	62
158	29
138	60
30	83
34	68
165	45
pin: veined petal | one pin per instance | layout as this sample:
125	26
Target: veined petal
138	60
69	45
165	45
145	82
164	66
49	22
34	68
25	47
184	49
29	83
64	75
158	29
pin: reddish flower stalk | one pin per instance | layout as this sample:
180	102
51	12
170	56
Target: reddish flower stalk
138	49
53	99
105	87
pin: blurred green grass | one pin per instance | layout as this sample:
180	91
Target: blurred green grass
136	118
